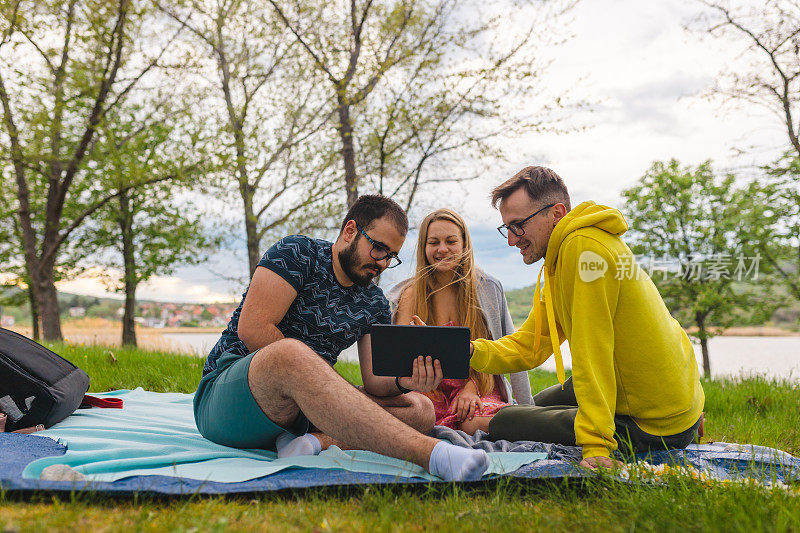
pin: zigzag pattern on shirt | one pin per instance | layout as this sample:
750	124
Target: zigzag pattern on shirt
326	316
292	258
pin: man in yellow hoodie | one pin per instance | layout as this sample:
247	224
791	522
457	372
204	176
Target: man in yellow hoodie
634	376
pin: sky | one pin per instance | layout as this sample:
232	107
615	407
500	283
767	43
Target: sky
645	77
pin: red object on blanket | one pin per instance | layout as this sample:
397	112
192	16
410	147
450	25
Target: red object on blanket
105	403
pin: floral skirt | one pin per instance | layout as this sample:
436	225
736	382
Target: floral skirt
445	395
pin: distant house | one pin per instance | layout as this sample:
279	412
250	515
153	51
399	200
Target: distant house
7	321
76	312
153	323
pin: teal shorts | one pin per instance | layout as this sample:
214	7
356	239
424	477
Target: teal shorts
226	412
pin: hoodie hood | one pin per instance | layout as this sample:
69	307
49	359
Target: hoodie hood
587	214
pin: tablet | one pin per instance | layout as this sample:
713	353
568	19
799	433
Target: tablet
395	347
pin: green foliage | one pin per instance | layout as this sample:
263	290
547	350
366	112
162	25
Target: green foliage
772	216
268	117
520	303
67	69
144	232
690	219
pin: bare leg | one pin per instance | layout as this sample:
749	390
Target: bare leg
287	377
413	408
479	422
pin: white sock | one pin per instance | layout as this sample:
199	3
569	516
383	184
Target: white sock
290	446
454	463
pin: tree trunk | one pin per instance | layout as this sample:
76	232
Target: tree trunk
251	230
126	230
128	323
348	151
48	305
34	313
703	335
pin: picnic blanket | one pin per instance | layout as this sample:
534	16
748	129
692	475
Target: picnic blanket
155	434
152	445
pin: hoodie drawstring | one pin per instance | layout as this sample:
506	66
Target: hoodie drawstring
551	323
537	315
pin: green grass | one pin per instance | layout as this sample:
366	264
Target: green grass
128	368
754	410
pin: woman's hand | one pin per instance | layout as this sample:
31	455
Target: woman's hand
426	375
466	405
594	463
417	321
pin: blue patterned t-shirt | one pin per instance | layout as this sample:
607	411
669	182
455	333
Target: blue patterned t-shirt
325	315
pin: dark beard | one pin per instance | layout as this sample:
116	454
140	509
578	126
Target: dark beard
348	260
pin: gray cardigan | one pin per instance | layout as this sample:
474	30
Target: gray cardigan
495	310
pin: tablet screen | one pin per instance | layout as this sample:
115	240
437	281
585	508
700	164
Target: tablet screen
395	347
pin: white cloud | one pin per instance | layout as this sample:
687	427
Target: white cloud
159	288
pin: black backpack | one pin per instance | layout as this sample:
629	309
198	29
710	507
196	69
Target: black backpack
37	386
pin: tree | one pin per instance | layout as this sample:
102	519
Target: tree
768	36
416	82
772	215
271	117
15	272
689	220
65	65
145	230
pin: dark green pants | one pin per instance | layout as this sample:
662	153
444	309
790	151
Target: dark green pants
552	420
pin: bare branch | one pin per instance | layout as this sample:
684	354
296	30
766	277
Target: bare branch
115	49
317	59
47	255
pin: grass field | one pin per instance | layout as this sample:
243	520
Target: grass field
753	411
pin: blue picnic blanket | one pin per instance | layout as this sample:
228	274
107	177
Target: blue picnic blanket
152	445
155	434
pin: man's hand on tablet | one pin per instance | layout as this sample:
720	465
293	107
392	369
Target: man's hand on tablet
426	375
427	372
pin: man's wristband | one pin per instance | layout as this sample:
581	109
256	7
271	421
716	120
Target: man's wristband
402	389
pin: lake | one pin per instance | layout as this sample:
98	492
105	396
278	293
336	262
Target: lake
730	356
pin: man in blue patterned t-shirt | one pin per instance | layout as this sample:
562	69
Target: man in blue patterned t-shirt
270	374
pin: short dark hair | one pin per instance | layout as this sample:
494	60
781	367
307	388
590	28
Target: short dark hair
540	183
370	207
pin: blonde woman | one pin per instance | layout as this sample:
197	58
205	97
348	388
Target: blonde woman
448	289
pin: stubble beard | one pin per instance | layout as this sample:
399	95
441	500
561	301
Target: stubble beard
349	261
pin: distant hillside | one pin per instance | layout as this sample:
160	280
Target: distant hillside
520	302
76	306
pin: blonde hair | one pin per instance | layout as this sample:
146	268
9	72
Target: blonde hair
422	287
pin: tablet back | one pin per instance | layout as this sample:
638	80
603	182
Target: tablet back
394	349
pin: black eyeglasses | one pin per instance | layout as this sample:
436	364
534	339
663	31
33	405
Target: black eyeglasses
380	250
517	227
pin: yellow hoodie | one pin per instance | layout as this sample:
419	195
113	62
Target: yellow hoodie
629	356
